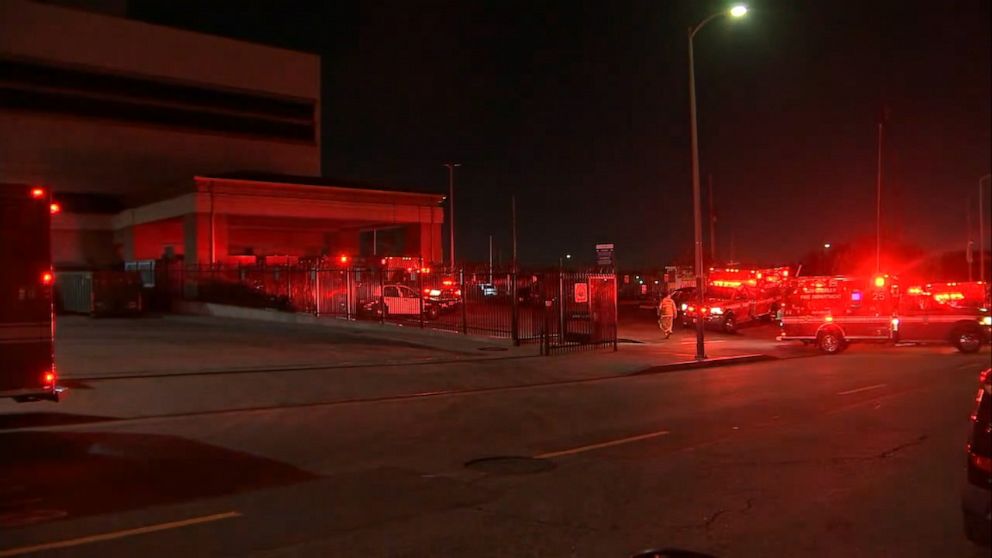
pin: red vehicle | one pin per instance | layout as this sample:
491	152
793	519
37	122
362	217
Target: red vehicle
734	297
27	367
835	311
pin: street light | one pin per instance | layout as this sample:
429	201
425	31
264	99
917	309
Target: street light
561	260
735	12
826	246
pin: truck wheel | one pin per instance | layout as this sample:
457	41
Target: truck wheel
729	324
967	340
830	342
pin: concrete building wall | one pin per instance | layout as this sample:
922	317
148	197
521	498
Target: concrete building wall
139	160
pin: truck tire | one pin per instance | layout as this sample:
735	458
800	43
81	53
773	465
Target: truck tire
967	339
729	323
830	341
432	312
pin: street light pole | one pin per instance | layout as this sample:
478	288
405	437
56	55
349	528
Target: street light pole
451	210
736	11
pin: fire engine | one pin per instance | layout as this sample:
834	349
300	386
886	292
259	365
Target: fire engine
736	296
27	367
835	311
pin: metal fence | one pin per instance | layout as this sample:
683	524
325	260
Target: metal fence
524	307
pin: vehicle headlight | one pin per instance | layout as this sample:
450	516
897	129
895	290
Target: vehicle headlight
435	292
716	310
987	320
684	306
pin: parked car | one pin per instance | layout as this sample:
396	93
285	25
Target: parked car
399	300
976	502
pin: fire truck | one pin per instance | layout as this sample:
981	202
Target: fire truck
832	312
27	366
736	296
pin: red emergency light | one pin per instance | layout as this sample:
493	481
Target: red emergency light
37	193
47	278
343	259
54	208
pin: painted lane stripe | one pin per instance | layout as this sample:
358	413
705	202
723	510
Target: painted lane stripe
860	389
602	445
118	534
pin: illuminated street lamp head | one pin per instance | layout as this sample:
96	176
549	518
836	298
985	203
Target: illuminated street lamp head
740	10
568	256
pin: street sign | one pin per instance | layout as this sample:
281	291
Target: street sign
605	254
581	292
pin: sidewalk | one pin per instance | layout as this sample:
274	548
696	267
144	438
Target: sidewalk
88	348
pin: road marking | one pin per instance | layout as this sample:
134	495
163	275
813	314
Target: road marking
118	534
602	445
860	389
693	341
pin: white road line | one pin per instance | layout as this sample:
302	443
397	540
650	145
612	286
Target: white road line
118	534
602	445
860	389
693	341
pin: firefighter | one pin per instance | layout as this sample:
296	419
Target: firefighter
666	315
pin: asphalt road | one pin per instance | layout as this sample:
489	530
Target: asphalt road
859	454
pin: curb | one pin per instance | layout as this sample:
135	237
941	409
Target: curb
708	363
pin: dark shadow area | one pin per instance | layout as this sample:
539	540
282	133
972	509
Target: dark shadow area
14	421
47	475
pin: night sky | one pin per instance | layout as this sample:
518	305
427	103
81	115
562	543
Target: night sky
581	110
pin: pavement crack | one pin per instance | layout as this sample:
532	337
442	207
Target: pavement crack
748	505
891	451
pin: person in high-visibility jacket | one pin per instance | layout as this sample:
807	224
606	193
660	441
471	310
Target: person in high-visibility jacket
666	315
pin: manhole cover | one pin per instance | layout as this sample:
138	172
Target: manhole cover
510	465
494	349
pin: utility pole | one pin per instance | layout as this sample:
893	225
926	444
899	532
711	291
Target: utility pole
490	259
981	225
969	246
451	210
878	203
513	224
712	222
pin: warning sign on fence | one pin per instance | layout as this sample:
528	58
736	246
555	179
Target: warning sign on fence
581	292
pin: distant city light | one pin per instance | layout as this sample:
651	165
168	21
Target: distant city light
826	245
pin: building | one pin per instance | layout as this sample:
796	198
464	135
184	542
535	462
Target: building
161	141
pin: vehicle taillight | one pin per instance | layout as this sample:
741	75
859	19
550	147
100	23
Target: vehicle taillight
37	193
880	281
980	462
47	278
427	291
828	319
49	378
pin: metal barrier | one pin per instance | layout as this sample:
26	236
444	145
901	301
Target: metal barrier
523	307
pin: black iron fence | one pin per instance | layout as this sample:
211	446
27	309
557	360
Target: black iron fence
559	310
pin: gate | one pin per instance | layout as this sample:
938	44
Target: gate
582	313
